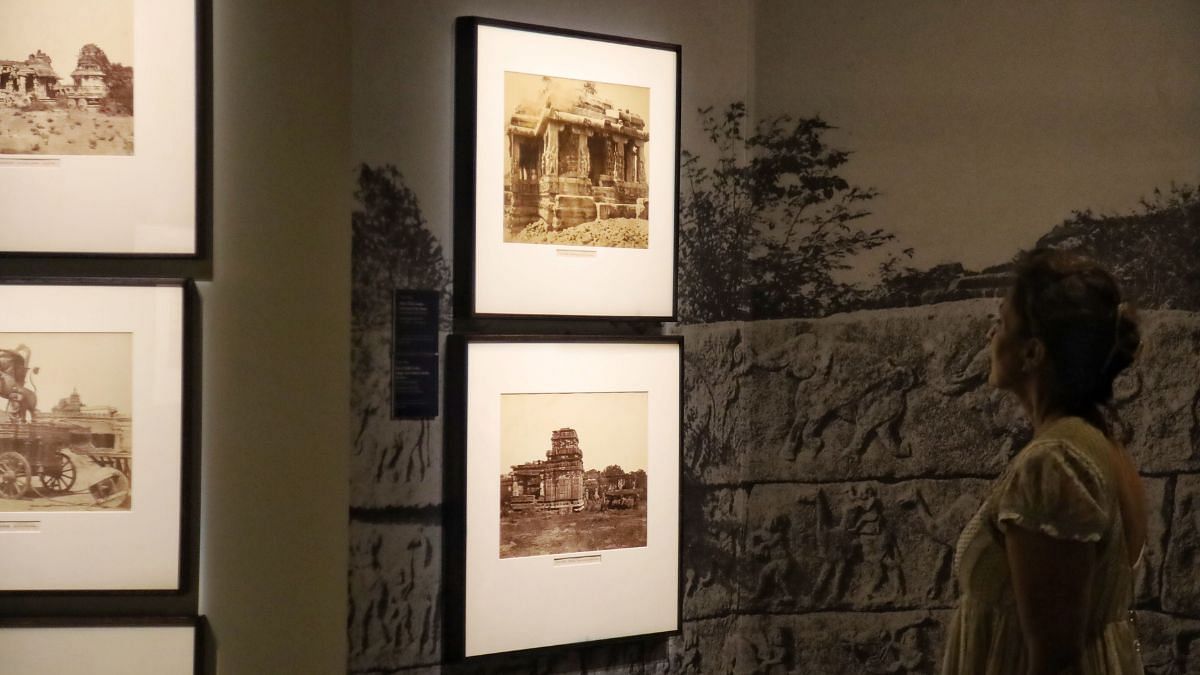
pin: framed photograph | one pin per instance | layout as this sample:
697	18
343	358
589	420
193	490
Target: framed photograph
566	173
563	486
117	646
103	127
95	475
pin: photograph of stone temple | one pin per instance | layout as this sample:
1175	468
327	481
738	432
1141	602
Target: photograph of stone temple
66	79
88	113
575	162
550	484
23	82
572	472
556	505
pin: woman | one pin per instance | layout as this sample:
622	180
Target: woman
1045	567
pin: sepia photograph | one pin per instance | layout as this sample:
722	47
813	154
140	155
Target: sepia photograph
66	78
575	162
576	472
66	431
557	195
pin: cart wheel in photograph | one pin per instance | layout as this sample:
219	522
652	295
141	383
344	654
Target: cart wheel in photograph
14	475
59	477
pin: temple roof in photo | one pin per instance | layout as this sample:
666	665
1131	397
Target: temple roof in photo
588	110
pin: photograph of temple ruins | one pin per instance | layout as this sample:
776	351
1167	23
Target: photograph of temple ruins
574	477
575	162
66	441
66	78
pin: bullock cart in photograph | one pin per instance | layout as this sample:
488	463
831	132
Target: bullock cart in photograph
31	450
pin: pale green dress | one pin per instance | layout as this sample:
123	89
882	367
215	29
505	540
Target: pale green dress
1062	484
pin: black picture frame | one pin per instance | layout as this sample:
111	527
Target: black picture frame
172	260
176	597
457	493
196	625
654	273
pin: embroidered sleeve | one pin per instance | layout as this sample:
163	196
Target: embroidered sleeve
1057	490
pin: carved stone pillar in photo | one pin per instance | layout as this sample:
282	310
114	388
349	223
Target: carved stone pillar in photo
550	150
618	170
585	157
640	167
512	152
548	182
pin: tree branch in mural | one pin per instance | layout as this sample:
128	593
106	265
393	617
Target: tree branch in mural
392	248
764	230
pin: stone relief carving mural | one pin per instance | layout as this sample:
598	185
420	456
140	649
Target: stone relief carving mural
869	541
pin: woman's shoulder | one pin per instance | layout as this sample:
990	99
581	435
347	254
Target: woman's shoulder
1071	436
1057	486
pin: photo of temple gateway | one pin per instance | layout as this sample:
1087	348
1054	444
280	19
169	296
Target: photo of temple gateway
575	156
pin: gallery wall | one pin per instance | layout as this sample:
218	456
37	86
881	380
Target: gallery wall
403	74
275	339
838	425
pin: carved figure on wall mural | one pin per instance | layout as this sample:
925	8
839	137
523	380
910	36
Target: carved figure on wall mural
880	410
956	366
772	543
1125	389
398	614
794	358
958	369
416	623
719	367
943	530
771	652
864	517
903	651
694	583
836	548
741	654
1196	424
778	656
690	659
876	411
714	550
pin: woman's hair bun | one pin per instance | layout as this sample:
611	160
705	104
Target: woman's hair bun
1128	342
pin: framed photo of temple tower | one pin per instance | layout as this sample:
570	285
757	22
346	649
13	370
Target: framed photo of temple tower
562	478
566	173
104	127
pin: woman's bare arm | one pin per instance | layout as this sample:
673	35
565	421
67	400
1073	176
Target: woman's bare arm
1052	582
1131	493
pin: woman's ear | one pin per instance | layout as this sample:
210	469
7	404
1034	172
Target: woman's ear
1033	357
